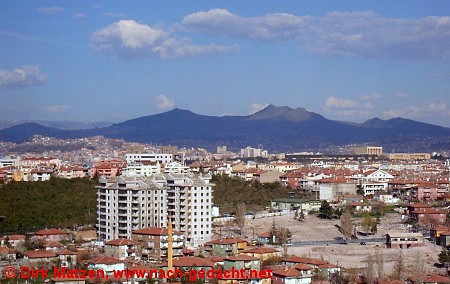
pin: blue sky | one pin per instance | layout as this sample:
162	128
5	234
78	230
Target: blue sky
117	60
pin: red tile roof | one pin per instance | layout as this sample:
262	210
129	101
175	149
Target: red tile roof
66	252
191	261
16	237
226	241
121	242
52	231
6	250
53	245
302	266
291	272
265	234
260	250
241	257
306	260
105	260
40	254
428	211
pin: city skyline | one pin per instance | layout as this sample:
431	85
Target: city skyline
112	61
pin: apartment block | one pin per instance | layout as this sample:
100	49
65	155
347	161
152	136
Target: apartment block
129	203
369	150
148	157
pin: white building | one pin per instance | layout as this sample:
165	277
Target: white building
176	168
250	152
130	203
6	162
148	157
142	169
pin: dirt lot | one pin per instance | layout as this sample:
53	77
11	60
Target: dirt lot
351	255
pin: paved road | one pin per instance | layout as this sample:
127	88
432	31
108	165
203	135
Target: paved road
337	242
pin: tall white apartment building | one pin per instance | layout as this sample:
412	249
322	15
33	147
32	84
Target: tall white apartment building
129	203
142	169
148	157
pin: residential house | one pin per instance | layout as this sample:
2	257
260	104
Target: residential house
241	261
121	249
14	240
291	179
294	260
67	258
262	253
41	174
359	207
73	171
35	257
404	240
52	235
331	188
290	276
435	233
265	237
295	204
7	253
153	242
327	270
187	263
227	246
372	187
54	246
428	217
106	263
428	191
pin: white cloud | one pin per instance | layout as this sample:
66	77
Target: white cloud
56	108
131	39
79	15
25	76
115	15
370	97
50	10
258	106
334	102
341	33
163	102
431	109
402	95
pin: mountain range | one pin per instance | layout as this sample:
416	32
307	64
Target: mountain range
276	128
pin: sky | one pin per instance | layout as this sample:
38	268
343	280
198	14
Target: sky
118	60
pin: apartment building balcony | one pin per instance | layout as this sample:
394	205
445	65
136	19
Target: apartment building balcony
122	193
123	213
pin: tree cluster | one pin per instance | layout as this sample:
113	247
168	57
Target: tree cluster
279	235
325	210
63	203
229	192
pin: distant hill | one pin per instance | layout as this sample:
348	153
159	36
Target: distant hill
276	128
63	124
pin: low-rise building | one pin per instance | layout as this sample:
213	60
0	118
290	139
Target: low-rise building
404	240
121	249
153	243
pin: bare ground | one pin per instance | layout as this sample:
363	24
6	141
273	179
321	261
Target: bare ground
351	255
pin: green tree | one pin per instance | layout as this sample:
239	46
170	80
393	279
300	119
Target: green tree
444	256
369	224
325	210
347	224
240	215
